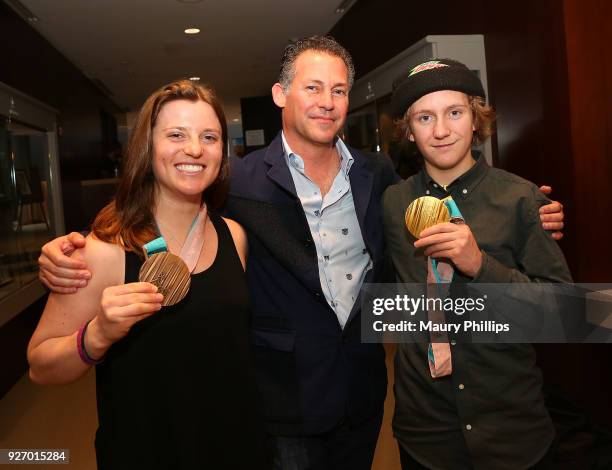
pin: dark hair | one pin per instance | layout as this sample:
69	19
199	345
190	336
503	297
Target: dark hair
128	220
325	44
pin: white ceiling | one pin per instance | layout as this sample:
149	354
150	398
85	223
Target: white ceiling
135	46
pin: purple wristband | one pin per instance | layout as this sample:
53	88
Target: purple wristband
86	358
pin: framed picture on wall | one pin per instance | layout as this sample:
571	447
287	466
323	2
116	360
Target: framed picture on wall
23	185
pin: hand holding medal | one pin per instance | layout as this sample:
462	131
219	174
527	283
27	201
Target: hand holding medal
425	212
170	273
427	218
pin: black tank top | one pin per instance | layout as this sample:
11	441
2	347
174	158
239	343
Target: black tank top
178	391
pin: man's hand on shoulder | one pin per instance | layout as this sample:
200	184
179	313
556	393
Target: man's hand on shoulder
552	216
59	271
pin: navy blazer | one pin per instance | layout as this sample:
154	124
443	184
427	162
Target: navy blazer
312	374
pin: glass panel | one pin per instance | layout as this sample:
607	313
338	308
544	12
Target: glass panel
371	128
403	153
24	203
361	129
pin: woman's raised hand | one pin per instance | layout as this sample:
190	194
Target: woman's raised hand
121	307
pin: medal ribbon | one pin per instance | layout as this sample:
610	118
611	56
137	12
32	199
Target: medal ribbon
192	247
439	276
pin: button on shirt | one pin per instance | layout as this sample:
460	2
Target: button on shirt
341	253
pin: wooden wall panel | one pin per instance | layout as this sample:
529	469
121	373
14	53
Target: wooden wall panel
588	37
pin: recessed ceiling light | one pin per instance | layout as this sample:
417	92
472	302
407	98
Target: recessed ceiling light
235	120
192	31
194	79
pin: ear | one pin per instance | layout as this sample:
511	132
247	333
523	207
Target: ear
278	95
410	135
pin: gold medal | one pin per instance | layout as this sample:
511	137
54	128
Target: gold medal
425	212
169	273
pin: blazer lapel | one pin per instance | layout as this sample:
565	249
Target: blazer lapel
280	174
279	170
361	186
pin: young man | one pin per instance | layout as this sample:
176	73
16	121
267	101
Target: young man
486	410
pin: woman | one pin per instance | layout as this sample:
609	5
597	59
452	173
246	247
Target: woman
174	384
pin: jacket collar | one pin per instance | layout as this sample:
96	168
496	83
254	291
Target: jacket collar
279	171
360	175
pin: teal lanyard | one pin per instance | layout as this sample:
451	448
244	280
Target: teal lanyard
192	246
456	218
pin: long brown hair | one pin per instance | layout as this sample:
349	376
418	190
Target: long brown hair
128	219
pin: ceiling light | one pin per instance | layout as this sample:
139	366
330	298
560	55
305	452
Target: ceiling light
235	120
194	79
192	31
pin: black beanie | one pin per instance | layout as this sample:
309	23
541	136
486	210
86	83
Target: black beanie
430	76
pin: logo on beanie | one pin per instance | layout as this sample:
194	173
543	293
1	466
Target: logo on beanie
432	64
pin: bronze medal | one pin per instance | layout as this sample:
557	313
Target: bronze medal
425	212
169	273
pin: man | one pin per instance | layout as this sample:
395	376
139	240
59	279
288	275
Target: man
458	405
311	210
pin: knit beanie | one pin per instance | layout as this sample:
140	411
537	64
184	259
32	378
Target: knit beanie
430	76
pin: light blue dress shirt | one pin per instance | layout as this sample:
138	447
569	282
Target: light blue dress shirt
341	253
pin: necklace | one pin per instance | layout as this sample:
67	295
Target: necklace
194	240
328	180
163	230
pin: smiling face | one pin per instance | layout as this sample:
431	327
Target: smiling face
316	103
442	126
187	148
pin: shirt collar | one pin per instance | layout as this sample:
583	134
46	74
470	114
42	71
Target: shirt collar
294	160
462	186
